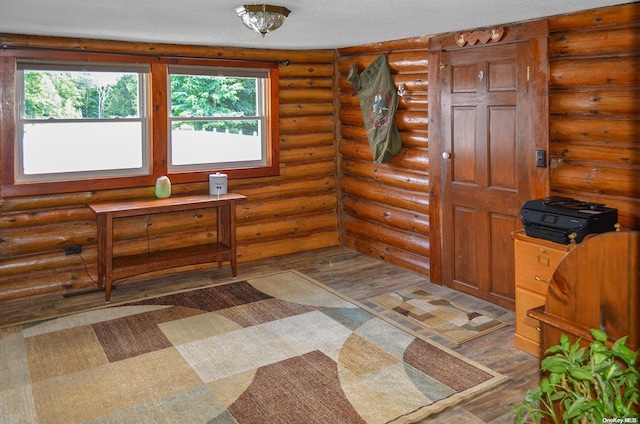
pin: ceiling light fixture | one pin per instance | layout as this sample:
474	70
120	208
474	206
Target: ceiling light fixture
262	18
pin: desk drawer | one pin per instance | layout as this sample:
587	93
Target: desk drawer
535	265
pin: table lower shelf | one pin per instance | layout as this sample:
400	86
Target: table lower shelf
128	266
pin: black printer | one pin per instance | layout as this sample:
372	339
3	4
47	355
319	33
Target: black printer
555	218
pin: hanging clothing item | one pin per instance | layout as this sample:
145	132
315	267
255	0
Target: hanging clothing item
378	102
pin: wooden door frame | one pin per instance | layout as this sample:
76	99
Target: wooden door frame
535	32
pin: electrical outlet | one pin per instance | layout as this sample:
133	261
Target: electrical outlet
73	250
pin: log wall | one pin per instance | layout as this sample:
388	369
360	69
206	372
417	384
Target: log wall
328	189
385	207
594	105
594	133
292	212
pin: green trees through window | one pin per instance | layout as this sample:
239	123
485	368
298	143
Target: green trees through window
77	95
208	96
99	95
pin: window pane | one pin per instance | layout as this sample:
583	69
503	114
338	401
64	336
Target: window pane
80	94
81	120
213	96
63	147
201	142
217	119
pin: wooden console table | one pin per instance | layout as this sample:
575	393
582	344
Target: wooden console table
224	249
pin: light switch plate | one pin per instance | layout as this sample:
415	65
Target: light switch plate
541	158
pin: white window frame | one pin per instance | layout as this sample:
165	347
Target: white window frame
143	119
262	77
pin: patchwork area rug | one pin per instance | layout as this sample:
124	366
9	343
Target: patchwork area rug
280	348
448	319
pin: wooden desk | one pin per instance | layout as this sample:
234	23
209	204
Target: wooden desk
224	249
597	285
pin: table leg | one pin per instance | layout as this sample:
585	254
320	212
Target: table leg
232	238
220	233
226	232
101	224
108	256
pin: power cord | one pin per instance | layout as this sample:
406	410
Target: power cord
84	263
86	269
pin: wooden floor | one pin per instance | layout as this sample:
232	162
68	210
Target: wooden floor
358	276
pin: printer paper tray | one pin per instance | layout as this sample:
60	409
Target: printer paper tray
556	236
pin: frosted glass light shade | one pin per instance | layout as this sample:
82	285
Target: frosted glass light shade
262	18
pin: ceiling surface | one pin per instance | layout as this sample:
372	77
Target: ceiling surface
316	24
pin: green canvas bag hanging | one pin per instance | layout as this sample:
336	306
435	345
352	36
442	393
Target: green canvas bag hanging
378	102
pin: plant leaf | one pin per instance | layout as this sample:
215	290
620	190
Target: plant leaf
581	374
564	341
599	335
575	409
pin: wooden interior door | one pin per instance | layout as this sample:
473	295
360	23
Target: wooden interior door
488	156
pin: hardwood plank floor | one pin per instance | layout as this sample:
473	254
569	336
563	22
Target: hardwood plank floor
358	276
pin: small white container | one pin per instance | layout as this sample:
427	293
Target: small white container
218	183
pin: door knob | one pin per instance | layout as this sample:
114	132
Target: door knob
446	155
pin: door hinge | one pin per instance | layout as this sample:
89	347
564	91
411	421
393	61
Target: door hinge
528	73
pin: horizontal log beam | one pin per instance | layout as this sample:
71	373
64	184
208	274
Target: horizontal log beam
250	212
387	174
407	241
368	190
413	43
292	141
45	238
308	124
16	267
615	154
248	251
306	69
389	254
301	188
606	130
605	72
596	102
292	83
400	62
305	109
308	154
605	42
410	221
40	284
156	49
287	227
607	16
309	95
593	179
45	217
414	159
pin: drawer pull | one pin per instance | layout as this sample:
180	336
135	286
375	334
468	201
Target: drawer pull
541	279
542	250
544	260
538	327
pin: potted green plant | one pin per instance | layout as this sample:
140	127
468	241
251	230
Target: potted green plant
594	385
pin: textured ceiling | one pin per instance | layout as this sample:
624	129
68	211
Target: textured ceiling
311	25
